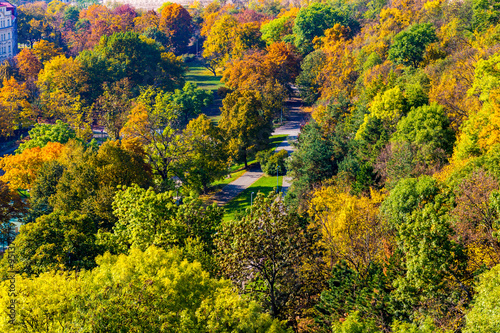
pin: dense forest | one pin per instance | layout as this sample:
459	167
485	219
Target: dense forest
392	221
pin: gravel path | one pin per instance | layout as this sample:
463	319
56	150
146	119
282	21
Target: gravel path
296	119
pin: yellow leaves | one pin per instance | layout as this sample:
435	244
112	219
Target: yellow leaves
46	51
15	110
350	226
21	169
333	36
137	125
490	133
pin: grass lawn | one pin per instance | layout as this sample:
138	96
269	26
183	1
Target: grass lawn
264	185
202	76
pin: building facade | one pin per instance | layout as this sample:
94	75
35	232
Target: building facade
8	30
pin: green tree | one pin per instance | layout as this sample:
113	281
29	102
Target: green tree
409	45
484	316
263	252
246	123
313	20
307	79
41	134
189	102
207	160
148	218
429	128
59	240
151	291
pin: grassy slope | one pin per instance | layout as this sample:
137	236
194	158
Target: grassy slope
202	76
265	184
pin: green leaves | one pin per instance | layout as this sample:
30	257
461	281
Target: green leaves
409	45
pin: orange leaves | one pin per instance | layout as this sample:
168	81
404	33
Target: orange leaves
21	169
29	65
281	62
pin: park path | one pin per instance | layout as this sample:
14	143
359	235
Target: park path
296	119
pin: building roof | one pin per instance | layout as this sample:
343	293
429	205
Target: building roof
10	7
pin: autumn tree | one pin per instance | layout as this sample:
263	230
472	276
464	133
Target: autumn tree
113	106
45	51
105	299
15	110
28	64
22	169
246	123
176	23
228	39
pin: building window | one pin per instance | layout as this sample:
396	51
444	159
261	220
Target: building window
9	49
8	35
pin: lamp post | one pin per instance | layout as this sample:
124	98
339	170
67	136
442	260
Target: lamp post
277	171
251	199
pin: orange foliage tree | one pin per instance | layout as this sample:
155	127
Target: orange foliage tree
21	169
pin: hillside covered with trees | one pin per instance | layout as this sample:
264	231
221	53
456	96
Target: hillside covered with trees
392	221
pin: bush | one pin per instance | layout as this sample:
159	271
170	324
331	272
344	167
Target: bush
269	161
222	92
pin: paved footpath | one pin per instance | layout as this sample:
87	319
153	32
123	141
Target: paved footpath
296	119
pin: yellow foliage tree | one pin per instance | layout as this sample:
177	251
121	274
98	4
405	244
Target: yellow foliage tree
350	226
15	110
21	169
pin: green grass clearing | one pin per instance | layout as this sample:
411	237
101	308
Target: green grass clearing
265	184
202	76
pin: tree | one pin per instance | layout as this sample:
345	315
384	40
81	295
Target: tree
229	40
113	107
62	85
41	134
22	169
12	207
484	316
56	241
312	21
176	23
152	122
15	110
143	291
262	253
148	218
350	227
307	81
246	124
274	31
409	45
207	161
28	64
90	179
316	159
429	128
189	102
142	60
45	51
